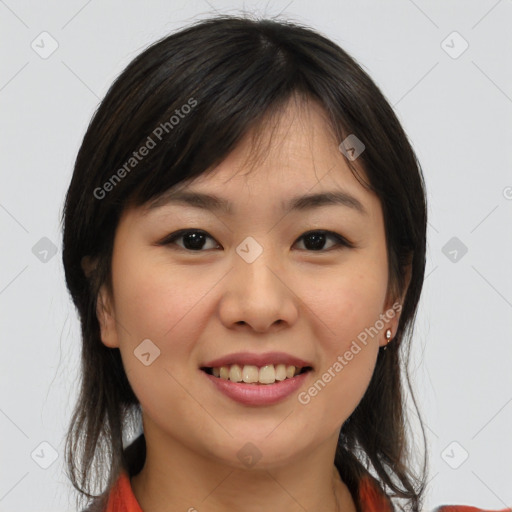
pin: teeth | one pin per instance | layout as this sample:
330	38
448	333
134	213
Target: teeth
235	373
280	372
251	374
267	374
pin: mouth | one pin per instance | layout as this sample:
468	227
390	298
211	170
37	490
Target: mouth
256	375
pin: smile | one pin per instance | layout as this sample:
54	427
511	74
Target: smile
251	374
257	393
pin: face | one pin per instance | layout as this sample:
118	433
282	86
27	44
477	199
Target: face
254	284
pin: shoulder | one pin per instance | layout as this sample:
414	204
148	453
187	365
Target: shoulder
121	494
119	499
467	508
97	505
373	498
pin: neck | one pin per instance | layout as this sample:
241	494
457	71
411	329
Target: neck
176	478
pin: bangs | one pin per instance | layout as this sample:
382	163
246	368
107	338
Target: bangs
180	115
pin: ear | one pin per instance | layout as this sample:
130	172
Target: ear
106	318
393	309
104	307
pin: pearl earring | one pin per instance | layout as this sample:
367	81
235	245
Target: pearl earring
388	338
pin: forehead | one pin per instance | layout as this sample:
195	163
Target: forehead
293	152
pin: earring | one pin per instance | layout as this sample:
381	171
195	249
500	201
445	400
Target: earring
388	337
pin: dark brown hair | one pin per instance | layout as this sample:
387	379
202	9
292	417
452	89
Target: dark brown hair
235	73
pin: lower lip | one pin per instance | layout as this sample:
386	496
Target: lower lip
258	394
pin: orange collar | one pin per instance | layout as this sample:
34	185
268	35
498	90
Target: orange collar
371	497
122	499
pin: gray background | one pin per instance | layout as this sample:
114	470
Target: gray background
457	110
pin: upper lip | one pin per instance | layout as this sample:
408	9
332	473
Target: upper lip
248	358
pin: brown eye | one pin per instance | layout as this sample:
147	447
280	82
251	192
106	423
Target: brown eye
193	240
315	240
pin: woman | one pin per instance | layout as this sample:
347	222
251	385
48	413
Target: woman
244	240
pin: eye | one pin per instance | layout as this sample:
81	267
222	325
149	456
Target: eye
315	240
194	240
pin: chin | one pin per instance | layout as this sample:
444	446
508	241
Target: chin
260	449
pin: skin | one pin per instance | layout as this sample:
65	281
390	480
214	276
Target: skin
197	306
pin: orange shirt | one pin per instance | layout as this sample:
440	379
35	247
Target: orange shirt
122	499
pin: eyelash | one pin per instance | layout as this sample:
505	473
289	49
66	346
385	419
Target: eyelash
341	242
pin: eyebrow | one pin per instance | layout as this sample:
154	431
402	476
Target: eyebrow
298	203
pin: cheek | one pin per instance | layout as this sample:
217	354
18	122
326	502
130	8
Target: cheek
167	304
161	303
347	302
143	302
155	297
347	306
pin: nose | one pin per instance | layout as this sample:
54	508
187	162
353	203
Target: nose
257	296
